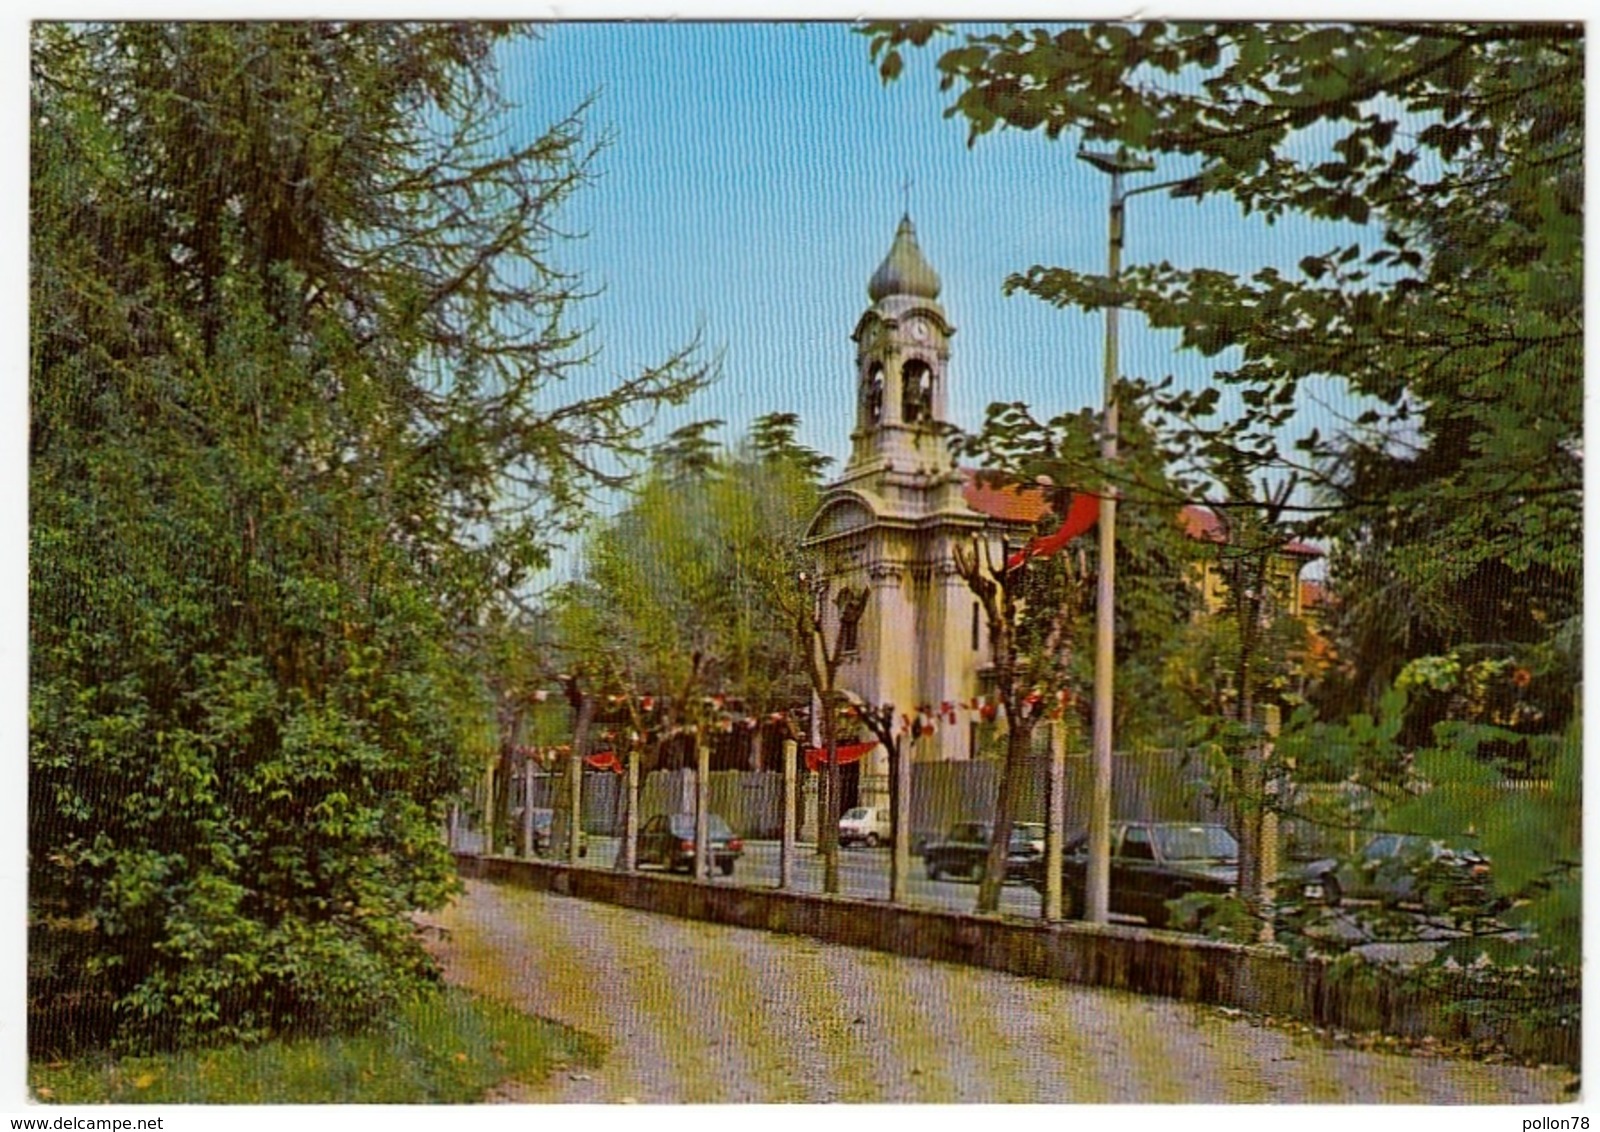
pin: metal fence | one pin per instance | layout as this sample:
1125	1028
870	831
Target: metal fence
1149	785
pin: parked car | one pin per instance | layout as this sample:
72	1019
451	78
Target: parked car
668	840
1151	863
548	841
964	850
866	825
1405	868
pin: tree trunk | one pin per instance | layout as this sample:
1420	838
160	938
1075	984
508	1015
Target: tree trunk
900	829
1055	821
570	800
527	807
791	819
627	853
828	834
1248	780
702	805
1004	814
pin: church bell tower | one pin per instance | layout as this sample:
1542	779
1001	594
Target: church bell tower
902	357
886	529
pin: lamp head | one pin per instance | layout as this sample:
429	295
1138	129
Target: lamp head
1118	162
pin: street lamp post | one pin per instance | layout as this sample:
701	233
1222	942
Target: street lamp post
1098	895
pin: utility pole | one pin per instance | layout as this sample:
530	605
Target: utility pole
1097	904
1098	901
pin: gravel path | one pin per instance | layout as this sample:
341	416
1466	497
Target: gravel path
701	1013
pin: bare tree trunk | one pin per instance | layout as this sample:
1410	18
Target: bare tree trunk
574	791
1267	849
899	819
786	845
1055	821
702	792
1005	808
828	834
575	808
1249	780
627	854
488	809
527	807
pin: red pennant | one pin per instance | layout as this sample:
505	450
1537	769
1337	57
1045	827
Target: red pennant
1082	513
817	757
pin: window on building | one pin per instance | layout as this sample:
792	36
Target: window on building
975	621
872	396
852	604
916	392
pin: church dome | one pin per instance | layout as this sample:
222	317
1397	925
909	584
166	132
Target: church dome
904	271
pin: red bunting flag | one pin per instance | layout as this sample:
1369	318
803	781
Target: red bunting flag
1082	514
817	757
605	760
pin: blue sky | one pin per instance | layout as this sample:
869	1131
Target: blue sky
753	183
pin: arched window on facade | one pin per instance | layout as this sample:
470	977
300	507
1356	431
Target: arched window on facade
916	401
872	396
852	603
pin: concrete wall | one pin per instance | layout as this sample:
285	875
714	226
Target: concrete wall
1116	956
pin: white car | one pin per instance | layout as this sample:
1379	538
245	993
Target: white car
865	825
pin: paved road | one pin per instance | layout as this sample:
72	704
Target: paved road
702	1013
865	873
862	872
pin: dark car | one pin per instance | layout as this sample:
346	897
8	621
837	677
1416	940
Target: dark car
1151	863
668	840
1405	868
964	850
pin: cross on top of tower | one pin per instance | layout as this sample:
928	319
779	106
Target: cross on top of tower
904	271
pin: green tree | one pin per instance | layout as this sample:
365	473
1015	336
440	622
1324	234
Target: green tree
1040	633
1156	593
295	335
1456	153
681	593
1027	611
691	566
1459	148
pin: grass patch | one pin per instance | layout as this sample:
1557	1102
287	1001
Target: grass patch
451	1047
